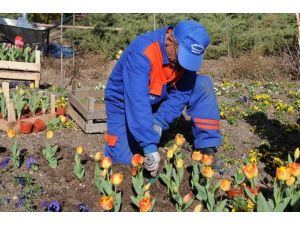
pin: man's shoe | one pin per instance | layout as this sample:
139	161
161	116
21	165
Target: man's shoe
218	164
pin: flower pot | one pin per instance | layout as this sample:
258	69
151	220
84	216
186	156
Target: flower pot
60	111
39	125
24	116
25	127
234	192
39	113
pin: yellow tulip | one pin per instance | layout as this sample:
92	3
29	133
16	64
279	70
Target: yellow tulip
208	172
290	181
98	156
170	154
283	173
11	133
116	179
106	163
198	208
179	140
50	134
179	163
79	150
197	156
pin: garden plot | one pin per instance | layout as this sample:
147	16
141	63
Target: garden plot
260	125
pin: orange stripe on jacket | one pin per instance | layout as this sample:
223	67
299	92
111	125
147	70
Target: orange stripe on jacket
208	121
209	127
160	74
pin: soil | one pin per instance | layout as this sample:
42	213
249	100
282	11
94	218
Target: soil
61	184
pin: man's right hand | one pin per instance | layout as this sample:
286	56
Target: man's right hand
151	163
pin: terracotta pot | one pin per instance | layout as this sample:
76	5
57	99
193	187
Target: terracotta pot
39	125
234	192
39	113
24	116
60	111
25	127
255	190
30	114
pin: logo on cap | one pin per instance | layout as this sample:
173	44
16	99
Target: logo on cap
197	49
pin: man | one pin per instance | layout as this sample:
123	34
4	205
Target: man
158	70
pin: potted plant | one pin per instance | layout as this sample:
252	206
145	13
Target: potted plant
25	127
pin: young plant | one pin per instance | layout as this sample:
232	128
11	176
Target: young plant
16	159
45	101
50	151
33	102
107	184
142	198
19	103
3	105
78	168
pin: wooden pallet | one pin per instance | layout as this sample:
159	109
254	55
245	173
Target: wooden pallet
11	121
86	112
22	70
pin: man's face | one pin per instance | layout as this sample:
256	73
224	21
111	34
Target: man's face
172	49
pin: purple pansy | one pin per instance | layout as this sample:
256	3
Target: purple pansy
4	162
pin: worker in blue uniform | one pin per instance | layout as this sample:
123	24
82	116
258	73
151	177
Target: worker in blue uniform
159	69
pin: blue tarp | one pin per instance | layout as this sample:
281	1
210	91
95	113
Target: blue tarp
55	49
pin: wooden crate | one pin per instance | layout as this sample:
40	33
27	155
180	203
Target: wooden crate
86	112
11	121
22	70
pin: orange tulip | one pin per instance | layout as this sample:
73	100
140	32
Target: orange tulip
290	181
79	150
116	179
225	185
133	171
106	202
197	156
106	163
137	160
295	169
145	204
283	173
98	156
11	133
208	172
207	160
250	171
179	139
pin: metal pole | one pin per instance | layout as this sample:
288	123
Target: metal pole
61	53
154	21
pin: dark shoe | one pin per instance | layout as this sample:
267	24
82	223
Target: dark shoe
218	164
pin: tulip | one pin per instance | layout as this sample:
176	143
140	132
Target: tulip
250	171
187	198
198	208
175	189
197	156
116	179
207	160
145	204
290	181
62	118
106	163
137	160
179	140
283	173
49	134
225	185
106	203
146	194
133	171
32	85
170	154
147	187
250	204
79	150
295	169
98	156
179	163
11	133
296	154
208	172
103	173
174	148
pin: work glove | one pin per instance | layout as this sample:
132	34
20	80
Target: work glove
151	163
158	129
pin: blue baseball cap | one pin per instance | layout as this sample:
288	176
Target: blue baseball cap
193	39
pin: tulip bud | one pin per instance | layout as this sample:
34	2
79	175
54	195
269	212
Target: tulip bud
197	156
98	156
146	187
179	140
296	154
175	189
147	194
106	163
103	173
116	179
79	150
187	198
133	171
170	154
49	134
198	208
62	119
179	163
290	181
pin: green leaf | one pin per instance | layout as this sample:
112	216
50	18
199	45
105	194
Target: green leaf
295	202
250	195
187	205
118	199
211	200
262	204
107	187
153	204
282	205
221	206
53	163
135	201
290	160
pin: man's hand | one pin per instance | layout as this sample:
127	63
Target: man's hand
151	163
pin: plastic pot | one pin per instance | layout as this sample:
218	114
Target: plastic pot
234	192
25	127
39	125
60	111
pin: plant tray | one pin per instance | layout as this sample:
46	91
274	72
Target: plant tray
87	111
